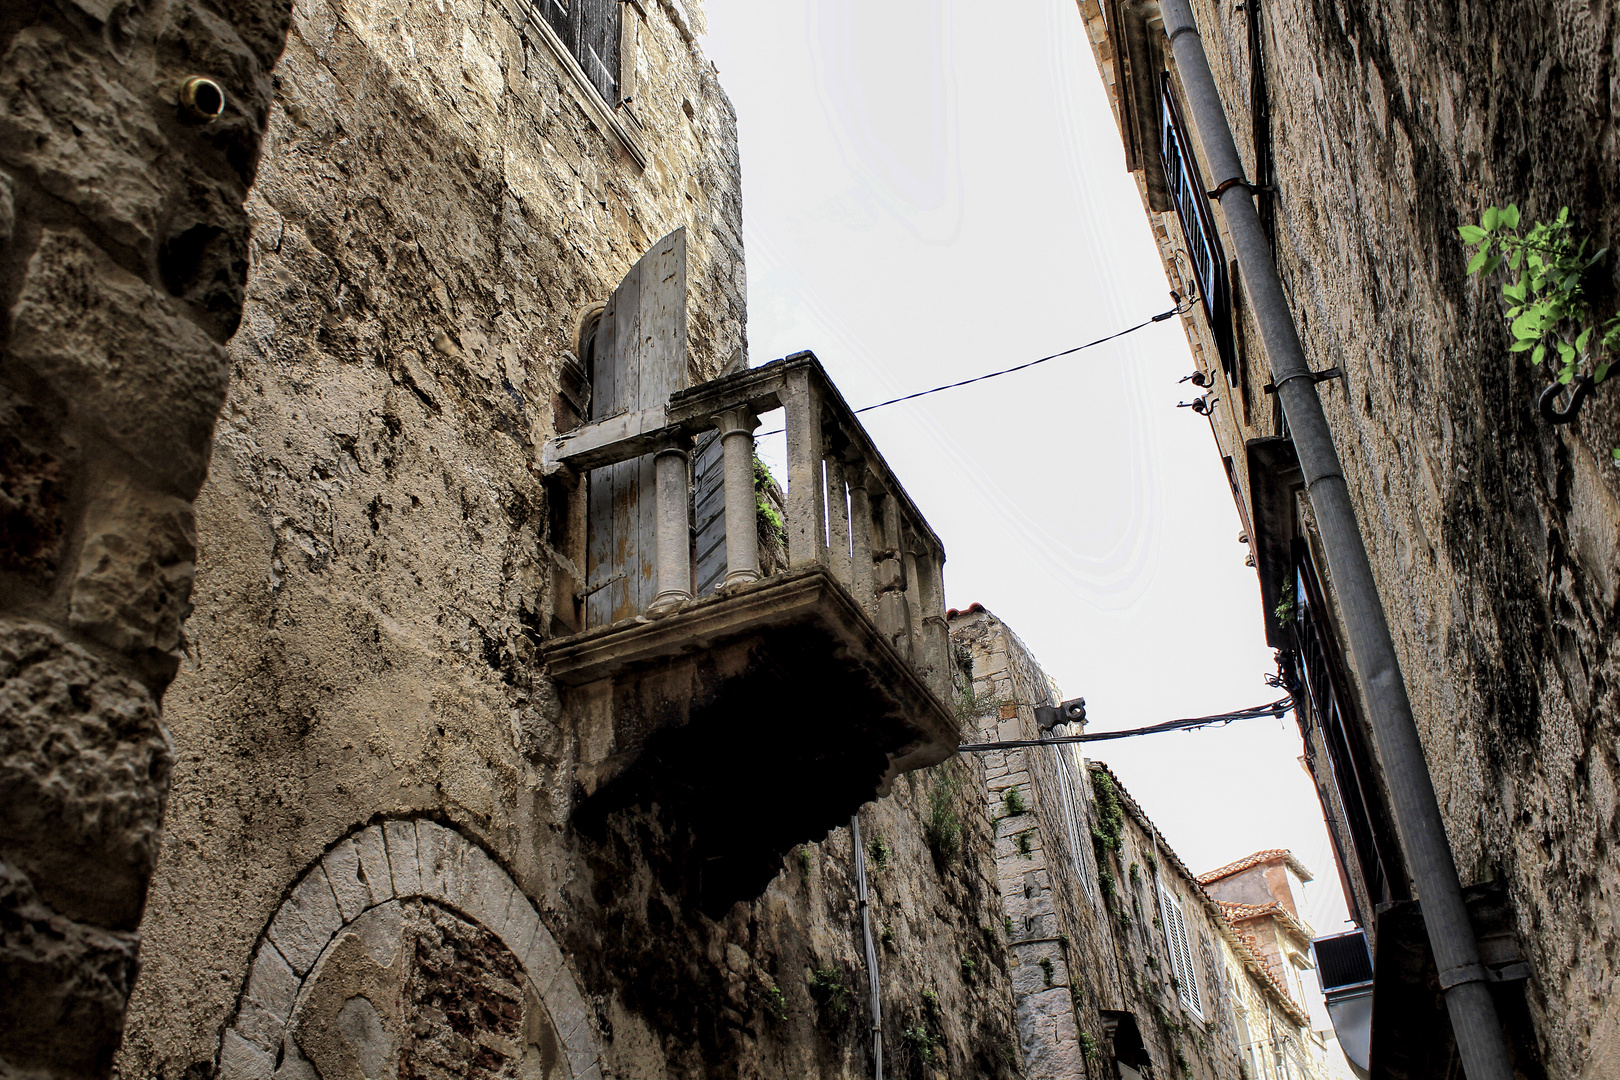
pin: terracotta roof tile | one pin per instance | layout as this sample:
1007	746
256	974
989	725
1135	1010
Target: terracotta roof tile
1269	855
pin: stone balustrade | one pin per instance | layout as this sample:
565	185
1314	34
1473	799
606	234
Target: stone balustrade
845	510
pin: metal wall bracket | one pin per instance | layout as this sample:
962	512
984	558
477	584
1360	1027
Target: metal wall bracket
1072	711
1314	376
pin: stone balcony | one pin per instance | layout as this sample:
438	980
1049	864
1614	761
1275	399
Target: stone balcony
758	710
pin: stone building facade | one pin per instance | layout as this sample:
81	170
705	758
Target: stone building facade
1372	133
1122	964
392	843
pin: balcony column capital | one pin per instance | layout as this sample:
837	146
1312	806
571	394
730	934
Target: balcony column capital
734	421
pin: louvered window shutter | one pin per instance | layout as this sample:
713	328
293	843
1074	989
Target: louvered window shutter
639	361
590	30
597	48
1181	953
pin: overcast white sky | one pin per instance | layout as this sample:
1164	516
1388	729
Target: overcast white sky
933	190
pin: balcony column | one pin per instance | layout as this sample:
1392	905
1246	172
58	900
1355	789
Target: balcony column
838	520
936	634
807	489
863	583
742	514
674	529
889	569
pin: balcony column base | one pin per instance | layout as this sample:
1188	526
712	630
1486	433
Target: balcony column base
742	523
670	472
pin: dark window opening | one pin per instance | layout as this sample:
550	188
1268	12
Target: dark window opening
1327	688
1191	200
590	30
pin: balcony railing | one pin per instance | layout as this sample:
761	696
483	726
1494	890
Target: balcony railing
845	511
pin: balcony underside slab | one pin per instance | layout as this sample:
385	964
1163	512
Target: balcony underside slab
749	722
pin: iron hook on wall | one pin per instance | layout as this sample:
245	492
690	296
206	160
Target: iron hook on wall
1580	386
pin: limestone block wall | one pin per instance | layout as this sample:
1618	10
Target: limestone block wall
1060	948
1135	864
437	205
1493	536
1080	866
123	256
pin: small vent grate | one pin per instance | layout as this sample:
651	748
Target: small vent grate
1342	960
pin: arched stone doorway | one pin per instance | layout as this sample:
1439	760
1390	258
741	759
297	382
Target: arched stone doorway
406	952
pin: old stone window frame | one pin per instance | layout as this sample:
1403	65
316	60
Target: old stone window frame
1178	943
1190	200
1333	710
614	119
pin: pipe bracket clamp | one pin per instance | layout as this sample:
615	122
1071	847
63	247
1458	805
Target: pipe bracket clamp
1462	973
1314	376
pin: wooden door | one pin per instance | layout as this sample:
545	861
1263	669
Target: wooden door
639	360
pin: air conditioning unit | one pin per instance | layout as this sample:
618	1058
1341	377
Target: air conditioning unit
1345	969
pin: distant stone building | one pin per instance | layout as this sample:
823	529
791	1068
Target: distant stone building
1369	135
1123	965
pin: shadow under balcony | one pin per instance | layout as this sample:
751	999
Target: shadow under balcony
766	712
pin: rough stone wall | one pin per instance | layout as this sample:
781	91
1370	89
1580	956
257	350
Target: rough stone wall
436	208
1079	865
123	256
1046	884
1133	865
1495	539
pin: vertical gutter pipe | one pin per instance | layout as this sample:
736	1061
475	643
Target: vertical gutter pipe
1474	1022
871	953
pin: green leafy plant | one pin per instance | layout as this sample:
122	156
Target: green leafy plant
1063	938
1548	312
1136	874
770	521
971	706
1047	969
775	1002
1013	800
887	936
944	827
1023	844
878	851
1284	611
1007	923
828	989
1110	815
1152	863
1088	1045
923	1042
970	967
931	1002
1105	878
807	862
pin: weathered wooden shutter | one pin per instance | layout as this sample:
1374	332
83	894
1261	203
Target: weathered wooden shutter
639	361
597	46
709	511
590	29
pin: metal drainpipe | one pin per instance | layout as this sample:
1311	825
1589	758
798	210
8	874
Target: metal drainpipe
1474	1022
871	953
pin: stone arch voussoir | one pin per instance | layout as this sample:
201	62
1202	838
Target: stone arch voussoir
393	861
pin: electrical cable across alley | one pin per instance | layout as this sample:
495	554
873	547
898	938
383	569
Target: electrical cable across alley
1278	708
1159	318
